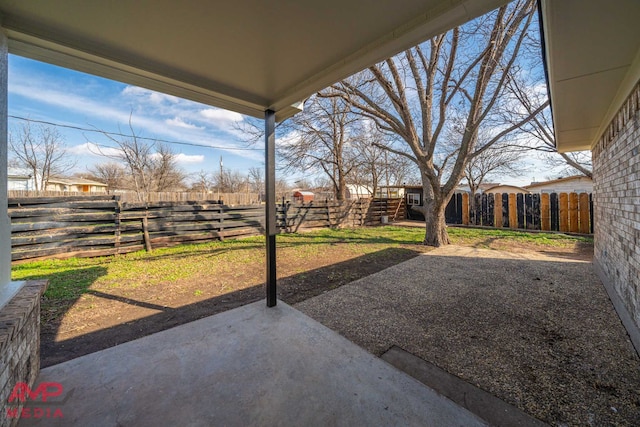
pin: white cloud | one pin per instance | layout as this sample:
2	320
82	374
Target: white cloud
93	149
178	122
219	115
151	96
178	119
189	159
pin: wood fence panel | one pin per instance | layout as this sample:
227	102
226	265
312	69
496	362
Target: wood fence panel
513	211
505	210
585	226
465	208
450	211
498	210
477	214
573	212
535	205
520	210
563	212
554	212
528	211
490	210
545	213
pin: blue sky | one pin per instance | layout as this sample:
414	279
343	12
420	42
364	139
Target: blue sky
40	91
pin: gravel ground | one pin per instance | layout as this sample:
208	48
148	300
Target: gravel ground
537	331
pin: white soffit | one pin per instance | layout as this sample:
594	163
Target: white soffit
592	54
246	56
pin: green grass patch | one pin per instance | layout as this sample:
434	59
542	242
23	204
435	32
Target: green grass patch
70	278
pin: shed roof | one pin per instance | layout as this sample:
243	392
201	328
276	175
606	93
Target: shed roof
555	181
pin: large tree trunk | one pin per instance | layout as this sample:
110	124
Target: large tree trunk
433	209
436	228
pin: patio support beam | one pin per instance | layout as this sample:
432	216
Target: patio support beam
5	224
270	207
7	288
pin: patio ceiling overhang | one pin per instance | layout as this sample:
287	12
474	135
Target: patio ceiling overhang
592	51
247	56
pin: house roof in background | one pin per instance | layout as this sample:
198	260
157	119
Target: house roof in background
506	186
555	181
245	56
75	181
592	52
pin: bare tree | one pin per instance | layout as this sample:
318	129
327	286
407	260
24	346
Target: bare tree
230	181
40	150
149	166
497	160
376	166
529	89
203	181
451	85
166	174
320	139
256	180
111	173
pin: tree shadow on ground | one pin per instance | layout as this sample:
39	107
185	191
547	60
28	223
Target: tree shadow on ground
291	289
64	290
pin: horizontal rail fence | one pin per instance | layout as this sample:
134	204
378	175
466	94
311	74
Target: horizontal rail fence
292	217
168	196
62	227
47	227
565	212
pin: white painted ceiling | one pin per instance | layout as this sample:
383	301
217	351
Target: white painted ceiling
245	55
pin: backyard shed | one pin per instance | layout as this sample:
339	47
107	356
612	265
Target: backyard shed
303	196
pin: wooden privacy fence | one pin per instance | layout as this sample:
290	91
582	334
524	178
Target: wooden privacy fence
60	227
104	225
566	212
352	213
167	196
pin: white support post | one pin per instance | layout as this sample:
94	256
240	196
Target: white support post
7	288
5	224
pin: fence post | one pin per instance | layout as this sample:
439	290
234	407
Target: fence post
117	221
145	233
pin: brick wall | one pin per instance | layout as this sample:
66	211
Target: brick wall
616	166
19	343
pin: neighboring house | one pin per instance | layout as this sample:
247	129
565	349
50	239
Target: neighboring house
79	185
570	184
357	192
464	188
506	188
390	192
18	179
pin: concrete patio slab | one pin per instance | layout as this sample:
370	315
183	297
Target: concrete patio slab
248	366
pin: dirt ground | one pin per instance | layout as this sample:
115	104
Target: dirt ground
107	317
